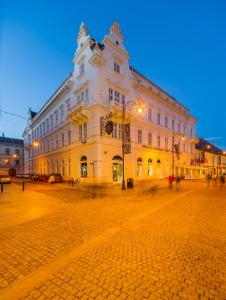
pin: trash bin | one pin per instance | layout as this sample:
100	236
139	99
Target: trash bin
129	183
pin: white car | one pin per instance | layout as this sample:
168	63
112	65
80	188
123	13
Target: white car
5	179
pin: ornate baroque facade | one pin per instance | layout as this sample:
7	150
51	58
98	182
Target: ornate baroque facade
66	136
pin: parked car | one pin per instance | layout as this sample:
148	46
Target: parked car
5	179
54	178
42	178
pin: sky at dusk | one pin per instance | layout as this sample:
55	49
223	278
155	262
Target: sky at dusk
179	45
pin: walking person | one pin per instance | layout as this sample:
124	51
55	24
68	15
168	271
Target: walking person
171	179
178	179
208	178
222	181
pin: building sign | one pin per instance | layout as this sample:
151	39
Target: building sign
109	127
103	121
127	141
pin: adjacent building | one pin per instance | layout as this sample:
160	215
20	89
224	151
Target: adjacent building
209	159
11	156
68	135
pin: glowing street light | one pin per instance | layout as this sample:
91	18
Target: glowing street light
35	143
14	155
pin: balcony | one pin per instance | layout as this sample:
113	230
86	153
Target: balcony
79	113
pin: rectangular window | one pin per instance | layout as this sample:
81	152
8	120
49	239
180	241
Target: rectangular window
166	143
166	122
56	118
78	98
139	136
120	131
82	68
114	132
62	114
110	94
149	139
51	122
179	127
80	132
123	98
116	67
85	130
158	118
191	132
62	139
7	151
172	124
69	136
117	96
149	114
159	142
83	95
17	151
87	95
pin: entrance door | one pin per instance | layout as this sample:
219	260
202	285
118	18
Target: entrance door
117	172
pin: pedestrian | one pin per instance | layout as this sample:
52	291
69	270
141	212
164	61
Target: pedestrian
171	179
178	183
214	177
222	181
208	178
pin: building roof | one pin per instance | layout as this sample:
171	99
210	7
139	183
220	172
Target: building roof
206	146
155	85
12	141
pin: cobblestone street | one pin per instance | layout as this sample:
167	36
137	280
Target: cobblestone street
170	245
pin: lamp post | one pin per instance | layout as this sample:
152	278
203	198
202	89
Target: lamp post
173	151
139	110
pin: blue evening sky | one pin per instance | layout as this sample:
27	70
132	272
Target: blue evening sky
180	45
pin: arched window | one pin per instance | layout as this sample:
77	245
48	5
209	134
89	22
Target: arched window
83	158
150	160
158	161
83	166
139	167
116	157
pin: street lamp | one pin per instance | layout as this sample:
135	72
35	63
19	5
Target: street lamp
183	138
139	111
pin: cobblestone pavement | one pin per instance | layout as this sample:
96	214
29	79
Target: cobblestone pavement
170	246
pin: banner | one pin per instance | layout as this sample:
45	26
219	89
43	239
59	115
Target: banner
127	141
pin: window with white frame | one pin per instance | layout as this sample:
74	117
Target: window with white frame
87	95
116	66
83	131
117	96
61	114
149	138
139	136
120	130
114	132
110	94
82	68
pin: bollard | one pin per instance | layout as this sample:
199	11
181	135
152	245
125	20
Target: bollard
23	185
1	187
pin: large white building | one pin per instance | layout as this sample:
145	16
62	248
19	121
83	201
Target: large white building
67	135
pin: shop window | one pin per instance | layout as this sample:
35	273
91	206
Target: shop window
83	165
